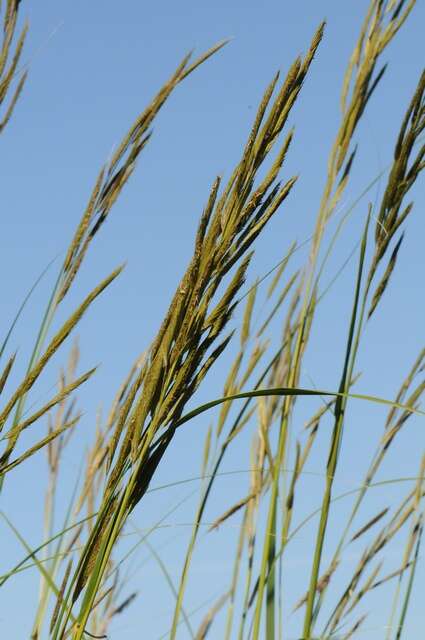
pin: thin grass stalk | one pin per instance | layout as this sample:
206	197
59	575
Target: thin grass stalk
416	527
401	518
267	569
334	450
374	466
170	583
235	579
50	581
409	589
391	203
54	451
208	488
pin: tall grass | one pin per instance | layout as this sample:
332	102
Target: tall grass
82	586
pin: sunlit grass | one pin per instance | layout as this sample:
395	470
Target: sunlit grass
83	586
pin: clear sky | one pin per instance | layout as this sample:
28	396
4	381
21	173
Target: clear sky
93	66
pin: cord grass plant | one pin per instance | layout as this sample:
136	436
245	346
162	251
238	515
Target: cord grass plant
83	587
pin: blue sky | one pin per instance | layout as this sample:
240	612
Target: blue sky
93	67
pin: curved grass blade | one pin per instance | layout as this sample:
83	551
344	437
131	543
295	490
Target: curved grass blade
297	391
50	581
23	305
